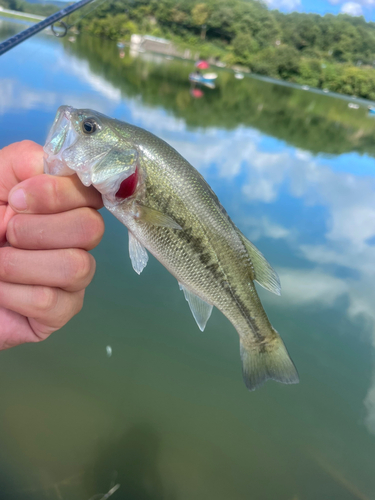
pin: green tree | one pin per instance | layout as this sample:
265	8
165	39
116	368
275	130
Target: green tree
200	15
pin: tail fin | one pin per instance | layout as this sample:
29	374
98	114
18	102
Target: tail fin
272	361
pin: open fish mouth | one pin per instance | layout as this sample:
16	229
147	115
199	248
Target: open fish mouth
61	137
59	157
68	150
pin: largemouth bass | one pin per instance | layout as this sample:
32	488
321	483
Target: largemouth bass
171	211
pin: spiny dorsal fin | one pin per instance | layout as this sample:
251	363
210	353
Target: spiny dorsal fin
138	254
264	274
156	218
200	309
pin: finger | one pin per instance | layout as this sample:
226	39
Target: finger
50	307
80	228
14	329
48	194
70	269
18	162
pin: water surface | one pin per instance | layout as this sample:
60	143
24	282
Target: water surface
167	416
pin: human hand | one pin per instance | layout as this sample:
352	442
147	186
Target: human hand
50	224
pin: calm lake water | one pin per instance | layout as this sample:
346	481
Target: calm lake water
167	416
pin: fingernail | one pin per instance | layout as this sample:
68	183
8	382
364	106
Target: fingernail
18	200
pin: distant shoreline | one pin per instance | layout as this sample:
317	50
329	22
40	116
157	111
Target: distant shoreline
14	14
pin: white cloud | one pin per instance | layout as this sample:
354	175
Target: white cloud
365	3
100	95
16	96
81	69
352	8
308	286
263	227
283	4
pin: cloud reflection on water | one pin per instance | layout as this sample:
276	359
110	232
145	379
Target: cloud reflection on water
259	175
263	177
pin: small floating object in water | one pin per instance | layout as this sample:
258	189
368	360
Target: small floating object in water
209	76
239	76
197	78
120	45
109	350
305	87
352	105
326	91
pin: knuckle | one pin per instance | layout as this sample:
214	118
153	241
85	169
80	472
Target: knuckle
45	299
92	227
7	264
78	266
15	230
26	144
51	198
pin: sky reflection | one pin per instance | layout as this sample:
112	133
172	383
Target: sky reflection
312	216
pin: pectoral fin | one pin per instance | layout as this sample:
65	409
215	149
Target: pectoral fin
138	254
152	216
200	309
264	274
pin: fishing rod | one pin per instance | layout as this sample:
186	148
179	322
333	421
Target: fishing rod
48	21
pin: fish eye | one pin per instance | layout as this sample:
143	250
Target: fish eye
89	126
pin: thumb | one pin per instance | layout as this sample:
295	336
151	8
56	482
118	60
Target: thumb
18	162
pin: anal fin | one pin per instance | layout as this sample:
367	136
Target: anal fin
138	254
201	309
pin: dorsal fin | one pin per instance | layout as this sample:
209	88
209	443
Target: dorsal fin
264	274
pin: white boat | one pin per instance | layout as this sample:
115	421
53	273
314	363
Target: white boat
239	76
209	76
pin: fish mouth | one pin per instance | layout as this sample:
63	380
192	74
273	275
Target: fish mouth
61	137
65	153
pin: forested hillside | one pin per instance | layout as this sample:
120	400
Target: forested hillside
40	9
333	52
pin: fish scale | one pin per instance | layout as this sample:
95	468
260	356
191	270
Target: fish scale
174	214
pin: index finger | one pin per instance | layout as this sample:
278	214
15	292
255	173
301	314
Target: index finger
18	162
48	194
